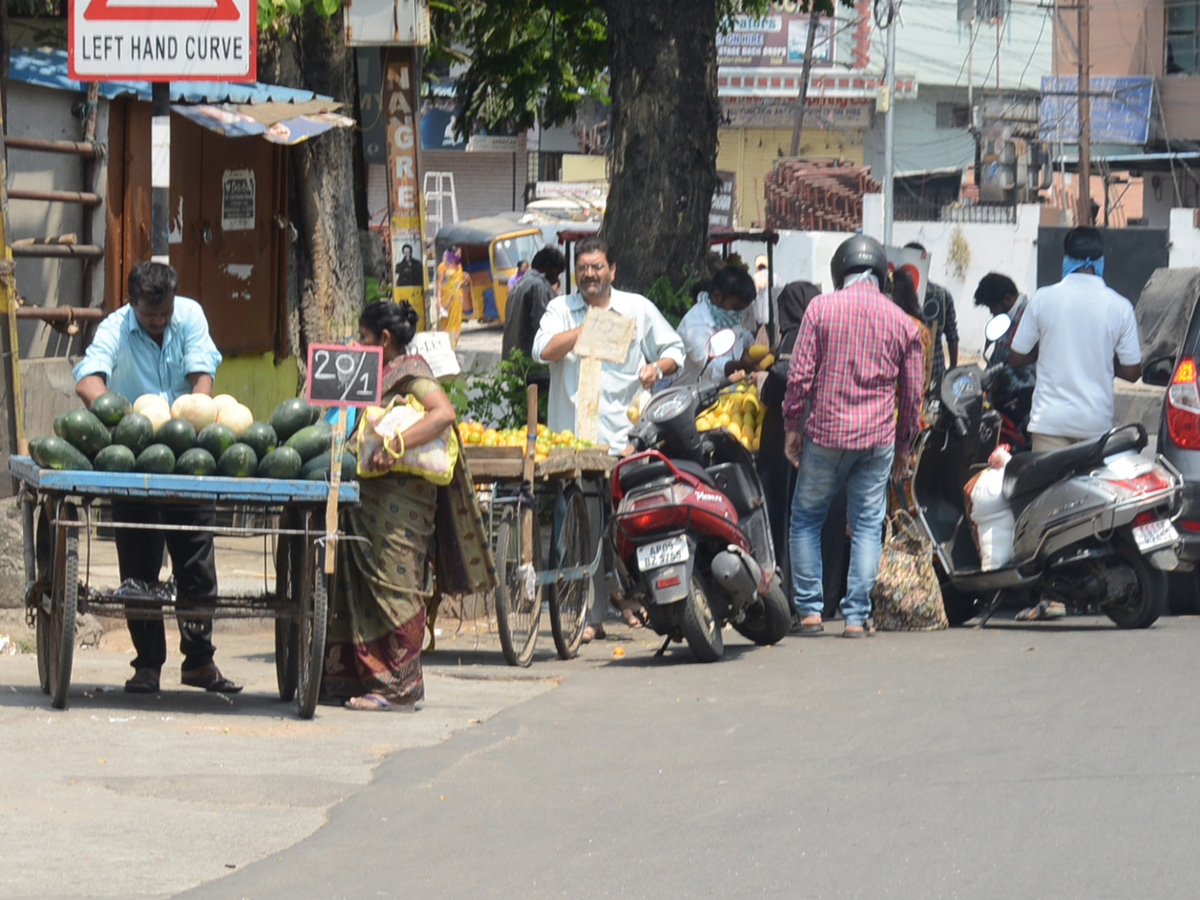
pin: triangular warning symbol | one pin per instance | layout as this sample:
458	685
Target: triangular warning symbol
163	11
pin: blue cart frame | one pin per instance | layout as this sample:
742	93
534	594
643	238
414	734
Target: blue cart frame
56	506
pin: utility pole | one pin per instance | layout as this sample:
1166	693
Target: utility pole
889	125
1084	213
805	73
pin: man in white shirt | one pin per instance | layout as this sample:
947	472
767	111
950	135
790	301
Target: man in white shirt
1081	333
656	352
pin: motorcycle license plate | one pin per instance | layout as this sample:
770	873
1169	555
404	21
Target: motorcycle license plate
1154	534
662	553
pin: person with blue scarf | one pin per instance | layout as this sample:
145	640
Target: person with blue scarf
720	304
1081	333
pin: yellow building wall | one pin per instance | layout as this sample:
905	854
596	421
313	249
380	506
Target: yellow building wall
751	153
258	381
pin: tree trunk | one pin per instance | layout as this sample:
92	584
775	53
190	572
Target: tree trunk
664	121
325	279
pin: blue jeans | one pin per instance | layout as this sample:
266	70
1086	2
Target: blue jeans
823	472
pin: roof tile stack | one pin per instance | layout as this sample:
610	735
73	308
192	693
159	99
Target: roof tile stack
817	194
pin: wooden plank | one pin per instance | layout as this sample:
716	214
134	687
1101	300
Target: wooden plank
587	401
606	335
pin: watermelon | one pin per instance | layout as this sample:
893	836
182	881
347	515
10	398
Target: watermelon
291	415
178	434
56	453
281	463
60	422
157	459
111	408
239	461
134	431
115	458
317	468
85	432
261	438
196	461
216	439
311	440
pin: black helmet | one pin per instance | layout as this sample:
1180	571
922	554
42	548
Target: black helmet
855	255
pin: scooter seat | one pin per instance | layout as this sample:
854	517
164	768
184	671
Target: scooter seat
653	469
1032	473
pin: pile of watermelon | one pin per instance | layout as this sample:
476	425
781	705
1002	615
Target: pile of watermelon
197	435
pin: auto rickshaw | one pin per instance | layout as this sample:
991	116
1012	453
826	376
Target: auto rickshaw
491	247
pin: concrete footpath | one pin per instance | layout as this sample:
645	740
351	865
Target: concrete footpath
145	796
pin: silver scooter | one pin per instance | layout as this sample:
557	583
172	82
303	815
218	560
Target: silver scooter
1093	522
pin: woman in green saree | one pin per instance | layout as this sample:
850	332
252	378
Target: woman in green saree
384	576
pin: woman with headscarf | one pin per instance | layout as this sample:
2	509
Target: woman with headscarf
453	293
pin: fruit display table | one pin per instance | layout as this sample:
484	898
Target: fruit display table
60	507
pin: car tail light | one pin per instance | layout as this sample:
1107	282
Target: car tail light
1189	525
1183	406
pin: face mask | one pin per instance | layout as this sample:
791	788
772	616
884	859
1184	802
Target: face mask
724	318
1071	264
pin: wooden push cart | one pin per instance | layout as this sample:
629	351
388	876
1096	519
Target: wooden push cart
59	508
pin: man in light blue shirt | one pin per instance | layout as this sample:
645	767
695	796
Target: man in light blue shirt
159	344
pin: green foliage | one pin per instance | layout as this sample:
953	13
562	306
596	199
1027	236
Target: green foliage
375	290
537	60
497	399
673	302
273	14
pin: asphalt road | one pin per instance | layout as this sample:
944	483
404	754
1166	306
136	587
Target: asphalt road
1042	760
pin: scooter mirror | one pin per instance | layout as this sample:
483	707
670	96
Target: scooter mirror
721	343
997	327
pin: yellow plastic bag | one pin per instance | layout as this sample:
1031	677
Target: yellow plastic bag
433	461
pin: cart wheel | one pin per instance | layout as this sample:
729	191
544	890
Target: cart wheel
287	630
44	556
63	602
571	599
314	609
517	616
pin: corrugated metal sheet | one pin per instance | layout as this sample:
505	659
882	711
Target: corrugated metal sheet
48	68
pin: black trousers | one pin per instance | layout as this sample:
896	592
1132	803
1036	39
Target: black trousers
193	562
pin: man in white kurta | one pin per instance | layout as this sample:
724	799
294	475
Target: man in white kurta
656	351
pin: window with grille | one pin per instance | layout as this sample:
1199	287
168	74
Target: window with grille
983	12
1183	40
953	115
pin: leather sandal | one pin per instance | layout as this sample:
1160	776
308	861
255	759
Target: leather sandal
144	681
210	679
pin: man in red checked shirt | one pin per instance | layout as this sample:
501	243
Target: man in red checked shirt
856	372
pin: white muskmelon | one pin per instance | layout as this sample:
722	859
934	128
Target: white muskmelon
237	417
199	409
223	400
140	404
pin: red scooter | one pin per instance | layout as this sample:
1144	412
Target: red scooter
691	534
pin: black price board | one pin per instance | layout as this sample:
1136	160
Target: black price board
343	376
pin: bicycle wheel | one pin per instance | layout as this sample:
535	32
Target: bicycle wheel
314	610
64	601
44	586
517	613
571	598
287	630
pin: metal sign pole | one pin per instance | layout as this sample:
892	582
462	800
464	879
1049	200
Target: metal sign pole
160	171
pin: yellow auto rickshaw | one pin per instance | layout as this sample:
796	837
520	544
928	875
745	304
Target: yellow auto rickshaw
490	248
